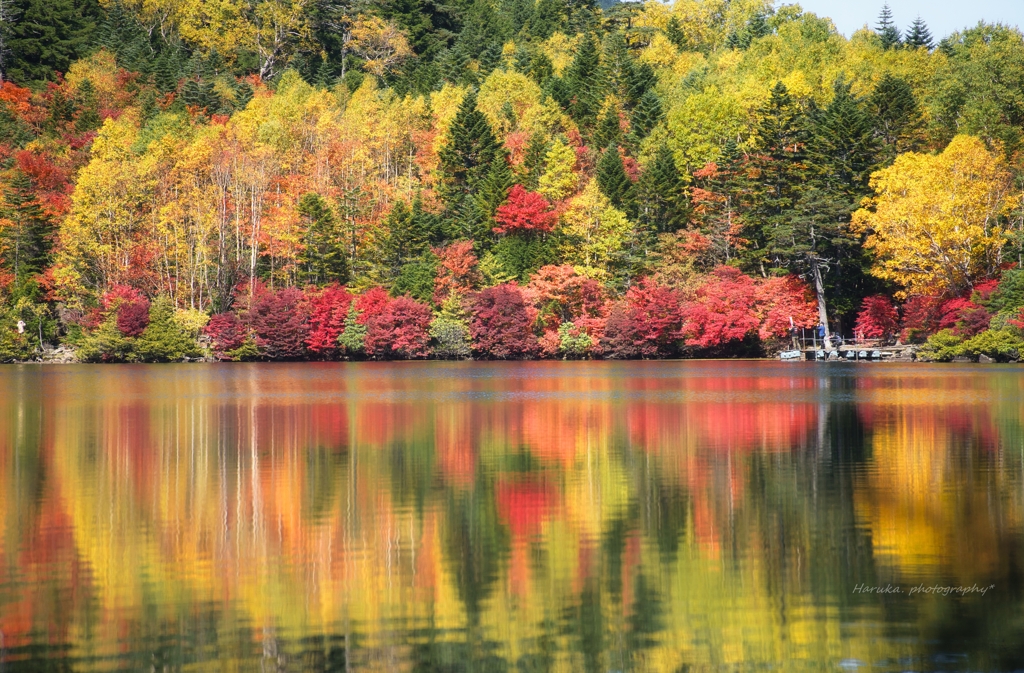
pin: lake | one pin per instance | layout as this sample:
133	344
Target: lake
606	516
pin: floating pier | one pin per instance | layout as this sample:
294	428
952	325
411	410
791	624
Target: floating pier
849	353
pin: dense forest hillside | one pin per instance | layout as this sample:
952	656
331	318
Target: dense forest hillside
283	179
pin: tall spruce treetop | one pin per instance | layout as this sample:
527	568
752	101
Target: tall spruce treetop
467	156
886	29
895	115
842	146
918	35
613	180
585	83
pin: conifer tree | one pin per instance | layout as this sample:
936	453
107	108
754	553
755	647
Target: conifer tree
27	242
886	29
895	115
324	258
585	83
494	188
468	153
613	180
88	108
533	161
918	35
663	203
49	36
549	17
403	239
646	116
674	33
608	130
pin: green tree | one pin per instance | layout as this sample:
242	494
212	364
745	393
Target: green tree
353	337
663	204
613	180
468	153
918	35
324	258
49	36
26	236
164	340
895	115
584	80
886	29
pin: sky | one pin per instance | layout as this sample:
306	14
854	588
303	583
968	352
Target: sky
942	16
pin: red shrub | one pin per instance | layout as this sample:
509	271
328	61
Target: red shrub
778	300
371	303
964	317
647	324
562	295
877	317
524	211
501	323
399	330
133	317
456	270
328	309
722	311
281	323
226	333
921	317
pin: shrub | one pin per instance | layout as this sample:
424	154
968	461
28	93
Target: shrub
943	346
450	330
164	340
877	317
1009	294
133	317
226	333
574	342
106	344
501	324
400	330
280	324
921	316
1002	345
328	309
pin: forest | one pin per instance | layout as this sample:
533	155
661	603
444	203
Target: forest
502	179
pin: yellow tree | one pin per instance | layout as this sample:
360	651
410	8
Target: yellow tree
934	220
381	43
596	232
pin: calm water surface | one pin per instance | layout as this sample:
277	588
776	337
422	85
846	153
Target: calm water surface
669	516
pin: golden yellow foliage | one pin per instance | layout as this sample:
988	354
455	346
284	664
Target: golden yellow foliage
934	219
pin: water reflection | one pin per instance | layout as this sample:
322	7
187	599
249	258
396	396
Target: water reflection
533	517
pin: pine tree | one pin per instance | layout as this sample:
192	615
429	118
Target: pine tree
663	203
674	33
88	108
494	188
919	35
49	36
324	259
613	181
585	83
608	130
404	238
533	161
777	158
842	147
646	116
27	235
467	155
886	29
549	16
896	116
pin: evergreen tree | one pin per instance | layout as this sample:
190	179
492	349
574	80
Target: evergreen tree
842	147
613	180
895	115
646	116
403	239
585	83
468	153
674	33
324	259
663	202
27	235
494	188
533	161
126	38
549	17
88	108
608	130
49	36
919	35
777	158
886	29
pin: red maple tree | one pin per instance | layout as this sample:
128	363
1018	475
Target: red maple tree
877	317
501	325
524	211
328	309
399	330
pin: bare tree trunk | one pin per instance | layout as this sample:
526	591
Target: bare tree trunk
819	291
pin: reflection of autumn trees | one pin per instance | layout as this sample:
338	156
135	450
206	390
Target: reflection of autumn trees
587	517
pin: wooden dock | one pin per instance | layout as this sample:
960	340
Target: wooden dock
850	353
